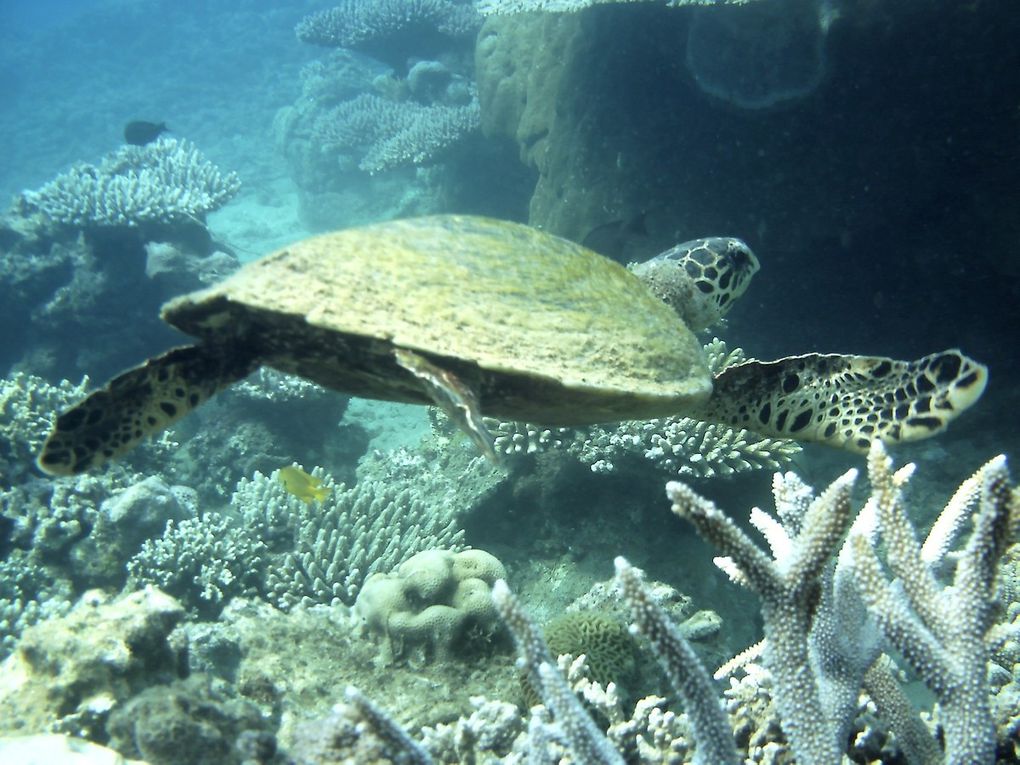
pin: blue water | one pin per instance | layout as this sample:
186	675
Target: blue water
74	73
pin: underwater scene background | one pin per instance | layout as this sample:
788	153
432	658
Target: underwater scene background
290	574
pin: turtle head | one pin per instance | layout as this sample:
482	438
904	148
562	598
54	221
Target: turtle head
700	279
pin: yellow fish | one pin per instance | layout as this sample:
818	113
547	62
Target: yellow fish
302	485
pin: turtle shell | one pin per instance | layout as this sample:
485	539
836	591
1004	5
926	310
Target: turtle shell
542	328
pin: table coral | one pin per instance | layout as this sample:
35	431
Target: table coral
165	181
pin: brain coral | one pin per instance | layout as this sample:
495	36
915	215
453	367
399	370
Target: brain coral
605	641
436	604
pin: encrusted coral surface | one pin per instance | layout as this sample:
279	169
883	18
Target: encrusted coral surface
68	673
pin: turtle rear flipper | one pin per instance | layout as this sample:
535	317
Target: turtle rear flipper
139	403
847	401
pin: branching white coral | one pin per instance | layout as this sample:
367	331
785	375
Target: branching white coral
680	446
165	181
504	7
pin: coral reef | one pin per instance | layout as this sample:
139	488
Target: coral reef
195	721
820	654
509	7
328	550
162	182
67	674
27	404
436	604
203	561
391	30
820	604
609	650
388	134
29	593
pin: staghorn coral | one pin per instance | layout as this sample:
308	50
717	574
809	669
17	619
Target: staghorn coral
821	645
807	680
574	726
940	631
710	728
650	733
1006	648
379	134
166	181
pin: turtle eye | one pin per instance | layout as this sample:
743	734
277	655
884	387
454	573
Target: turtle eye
740	257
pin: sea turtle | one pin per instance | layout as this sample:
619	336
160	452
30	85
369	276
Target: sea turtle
488	317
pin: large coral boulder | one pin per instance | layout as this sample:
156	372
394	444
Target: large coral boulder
69	673
436	604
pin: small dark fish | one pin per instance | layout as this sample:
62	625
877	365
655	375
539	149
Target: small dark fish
610	239
139	133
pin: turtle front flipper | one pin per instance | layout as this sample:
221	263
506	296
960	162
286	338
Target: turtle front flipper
139	403
846	401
